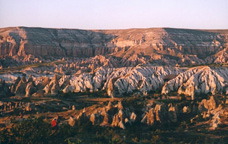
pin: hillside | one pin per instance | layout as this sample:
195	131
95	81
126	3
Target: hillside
155	45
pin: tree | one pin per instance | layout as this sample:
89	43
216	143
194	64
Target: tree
32	130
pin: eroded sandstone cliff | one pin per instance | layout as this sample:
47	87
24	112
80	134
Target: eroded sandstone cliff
132	46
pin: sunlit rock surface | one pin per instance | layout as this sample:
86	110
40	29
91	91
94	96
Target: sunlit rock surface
198	80
119	47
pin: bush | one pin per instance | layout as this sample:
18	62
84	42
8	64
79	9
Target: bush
32	130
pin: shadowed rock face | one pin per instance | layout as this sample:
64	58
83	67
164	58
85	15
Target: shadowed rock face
179	45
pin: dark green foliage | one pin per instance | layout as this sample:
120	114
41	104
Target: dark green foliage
36	130
32	130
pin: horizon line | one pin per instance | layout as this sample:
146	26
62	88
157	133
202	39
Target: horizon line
117	28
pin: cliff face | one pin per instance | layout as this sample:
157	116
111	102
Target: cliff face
166	44
53	42
172	41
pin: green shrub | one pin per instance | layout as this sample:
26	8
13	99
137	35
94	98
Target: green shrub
32	130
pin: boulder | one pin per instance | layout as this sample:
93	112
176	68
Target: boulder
71	121
149	117
30	89
105	118
115	121
20	89
55	89
121	125
28	107
73	107
110	89
119	105
93	118
13	87
172	113
109	106
160	113
185	109
207	105
133	117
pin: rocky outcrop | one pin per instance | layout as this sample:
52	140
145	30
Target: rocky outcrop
21	86
111	115
53	86
162	113
198	80
30	89
220	57
133	117
149	117
132	46
14	85
207	105
172	113
212	111
123	80
54	42
105	116
127	80
28	107
116	81
71	121
157	113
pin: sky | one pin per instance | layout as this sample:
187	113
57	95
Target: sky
115	14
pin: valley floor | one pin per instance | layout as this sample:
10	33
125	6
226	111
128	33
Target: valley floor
19	123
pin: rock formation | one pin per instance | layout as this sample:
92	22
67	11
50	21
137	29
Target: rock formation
132	46
30	89
149	117
111	115
198	80
20	88
71	121
190	82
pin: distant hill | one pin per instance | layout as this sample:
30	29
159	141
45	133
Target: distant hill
154	45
